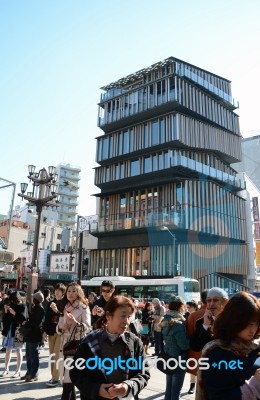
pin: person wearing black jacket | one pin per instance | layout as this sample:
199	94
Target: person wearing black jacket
106	292
147	320
34	338
52	315
111	341
14	315
216	301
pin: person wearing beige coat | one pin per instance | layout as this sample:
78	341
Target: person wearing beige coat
76	315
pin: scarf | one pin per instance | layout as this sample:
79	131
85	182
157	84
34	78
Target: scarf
236	346
157	309
74	309
176	314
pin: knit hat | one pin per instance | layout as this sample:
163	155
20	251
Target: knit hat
175	299
217	292
38	296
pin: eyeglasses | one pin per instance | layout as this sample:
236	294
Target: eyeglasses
105	290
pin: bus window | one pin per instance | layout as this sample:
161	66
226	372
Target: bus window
124	291
191	286
152	291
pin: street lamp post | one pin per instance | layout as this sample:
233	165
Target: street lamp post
42	195
165	228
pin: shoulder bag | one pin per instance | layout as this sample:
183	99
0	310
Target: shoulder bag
164	363
71	346
26	331
18	336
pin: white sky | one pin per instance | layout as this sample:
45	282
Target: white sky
55	55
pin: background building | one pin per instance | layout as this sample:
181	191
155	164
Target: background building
250	162
170	201
56	235
68	190
250	168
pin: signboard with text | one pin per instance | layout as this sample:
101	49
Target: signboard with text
257	253
84	222
255	209
62	263
257	230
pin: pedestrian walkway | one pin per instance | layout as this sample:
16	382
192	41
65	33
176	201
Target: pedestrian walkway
16	389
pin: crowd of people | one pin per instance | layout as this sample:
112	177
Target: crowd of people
223	331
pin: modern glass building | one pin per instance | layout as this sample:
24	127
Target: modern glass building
170	202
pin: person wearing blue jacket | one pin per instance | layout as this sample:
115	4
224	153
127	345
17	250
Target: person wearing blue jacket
176	344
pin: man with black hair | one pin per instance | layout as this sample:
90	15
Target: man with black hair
106	292
52	315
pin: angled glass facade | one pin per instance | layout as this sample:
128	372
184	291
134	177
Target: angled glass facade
170	135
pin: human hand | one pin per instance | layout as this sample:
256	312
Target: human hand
119	390
71	318
257	374
99	311
208	318
103	390
6	307
11	311
54	307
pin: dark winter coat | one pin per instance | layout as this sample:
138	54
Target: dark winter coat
200	337
221	382
13	321
36	316
89	381
51	318
101	302
176	342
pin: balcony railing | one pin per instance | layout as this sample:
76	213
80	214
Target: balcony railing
136	220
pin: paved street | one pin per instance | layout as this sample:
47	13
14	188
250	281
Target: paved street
14	388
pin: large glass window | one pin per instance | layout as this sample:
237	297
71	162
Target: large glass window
134	168
146	136
179	191
147	165
131	137
159	93
111	140
155	133
160	161
151	96
107	174
120	143
125	142
122	170
154	158
166	159
122	203
99	149
105	149
117	171
162	130
172	88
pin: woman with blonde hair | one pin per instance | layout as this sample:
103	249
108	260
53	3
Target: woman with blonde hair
76	317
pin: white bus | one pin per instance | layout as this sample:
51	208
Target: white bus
147	289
